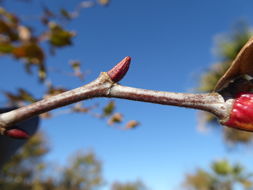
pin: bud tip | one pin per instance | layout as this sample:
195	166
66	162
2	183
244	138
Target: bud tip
119	70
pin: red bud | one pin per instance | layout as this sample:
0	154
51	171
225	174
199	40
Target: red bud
17	134
241	115
119	71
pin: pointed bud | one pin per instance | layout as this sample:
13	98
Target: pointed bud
17	133
241	114
119	71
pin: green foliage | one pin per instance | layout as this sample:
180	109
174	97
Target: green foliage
222	167
109	108
228	47
223	176
59	37
83	173
5	47
26	171
21	171
200	180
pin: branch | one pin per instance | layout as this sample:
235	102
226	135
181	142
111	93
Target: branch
211	102
106	86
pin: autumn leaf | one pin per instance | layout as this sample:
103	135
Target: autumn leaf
115	118
8	31
21	96
42	73
52	91
132	124
65	14
77	69
32	52
59	37
79	108
6	47
104	2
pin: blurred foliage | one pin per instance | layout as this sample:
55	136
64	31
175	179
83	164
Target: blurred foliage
83	173
222	176
132	124
228	46
116	118
59	37
27	170
25	167
20	97
18	41
104	2
137	185
109	109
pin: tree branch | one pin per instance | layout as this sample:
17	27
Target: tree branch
105	86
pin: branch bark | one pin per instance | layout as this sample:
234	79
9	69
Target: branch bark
105	86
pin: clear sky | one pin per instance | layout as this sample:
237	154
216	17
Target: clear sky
171	42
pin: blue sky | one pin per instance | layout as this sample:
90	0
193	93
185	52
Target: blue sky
171	43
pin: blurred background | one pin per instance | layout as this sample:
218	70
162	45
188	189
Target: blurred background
48	47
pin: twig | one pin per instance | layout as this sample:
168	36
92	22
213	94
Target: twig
105	86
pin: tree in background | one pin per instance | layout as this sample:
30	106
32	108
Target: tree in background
137	185
28	170
222	176
26	166
83	173
227	48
